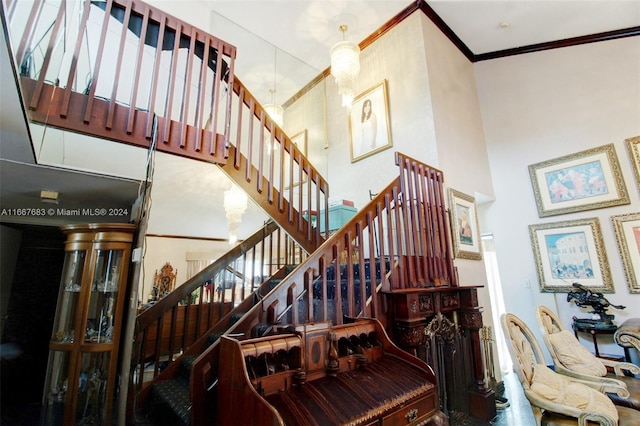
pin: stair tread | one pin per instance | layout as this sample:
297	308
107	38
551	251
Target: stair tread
174	393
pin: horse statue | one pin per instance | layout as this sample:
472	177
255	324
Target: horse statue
583	297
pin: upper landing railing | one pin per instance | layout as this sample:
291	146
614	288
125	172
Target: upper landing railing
106	68
85	67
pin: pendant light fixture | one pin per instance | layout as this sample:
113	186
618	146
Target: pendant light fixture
275	111
345	66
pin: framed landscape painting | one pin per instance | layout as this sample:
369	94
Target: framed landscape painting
582	181
569	252
627	228
464	226
633	146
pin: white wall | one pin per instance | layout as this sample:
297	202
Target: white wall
541	106
410	116
176	251
434	115
462	153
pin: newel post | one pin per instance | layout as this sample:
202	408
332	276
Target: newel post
482	400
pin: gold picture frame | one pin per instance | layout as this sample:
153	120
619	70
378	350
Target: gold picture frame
570	251
633	147
464	226
300	141
627	229
586	180
369	124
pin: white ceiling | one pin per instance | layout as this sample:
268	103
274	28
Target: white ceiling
304	31
301	32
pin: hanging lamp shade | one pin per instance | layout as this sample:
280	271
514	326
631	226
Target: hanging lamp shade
276	112
235	204
345	67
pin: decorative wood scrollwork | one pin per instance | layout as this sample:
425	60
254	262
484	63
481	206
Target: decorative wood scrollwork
163	282
471	319
410	336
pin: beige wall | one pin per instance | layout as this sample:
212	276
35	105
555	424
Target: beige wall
434	115
542	106
176	251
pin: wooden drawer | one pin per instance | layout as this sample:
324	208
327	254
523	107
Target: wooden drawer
413	413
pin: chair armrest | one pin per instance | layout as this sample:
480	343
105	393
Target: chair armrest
601	384
619	367
582	416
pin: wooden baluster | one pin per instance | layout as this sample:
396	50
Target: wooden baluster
361	271
11	8
271	154
348	239
202	86
309	191
337	251
308	285
136	79
97	66
416	222
230	78
402	276
238	152
427	255
31	25
116	78
64	109
259	184
35	98
442	226
421	181
322	266
432	220
372	264
186	98
154	77
408	240
281	183
252	112
172	84
215	96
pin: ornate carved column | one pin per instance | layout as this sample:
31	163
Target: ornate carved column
482	401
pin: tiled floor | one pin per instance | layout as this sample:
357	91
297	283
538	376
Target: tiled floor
518	413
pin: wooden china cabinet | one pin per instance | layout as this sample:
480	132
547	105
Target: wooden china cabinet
83	356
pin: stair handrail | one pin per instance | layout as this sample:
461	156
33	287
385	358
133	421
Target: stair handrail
272	169
164	311
388	235
195	115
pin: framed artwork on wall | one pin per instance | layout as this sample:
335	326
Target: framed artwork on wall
582	181
568	252
464	226
300	141
633	146
369	124
627	228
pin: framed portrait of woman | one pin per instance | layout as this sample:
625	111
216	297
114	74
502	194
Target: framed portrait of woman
464	226
369	122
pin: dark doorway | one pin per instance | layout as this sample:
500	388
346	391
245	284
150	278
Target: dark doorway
29	321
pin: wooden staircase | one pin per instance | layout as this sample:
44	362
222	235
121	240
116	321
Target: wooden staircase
177	76
398	242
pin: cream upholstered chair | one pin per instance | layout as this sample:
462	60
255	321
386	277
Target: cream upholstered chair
572	359
628	335
554	398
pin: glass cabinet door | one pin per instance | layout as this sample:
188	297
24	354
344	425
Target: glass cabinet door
63	327
92	388
104	293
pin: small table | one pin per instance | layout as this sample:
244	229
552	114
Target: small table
594	329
